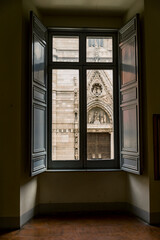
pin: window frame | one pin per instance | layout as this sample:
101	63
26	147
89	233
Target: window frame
83	66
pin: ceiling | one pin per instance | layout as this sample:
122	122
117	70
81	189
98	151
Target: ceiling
82	7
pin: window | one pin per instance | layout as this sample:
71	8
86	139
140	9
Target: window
83	115
83	101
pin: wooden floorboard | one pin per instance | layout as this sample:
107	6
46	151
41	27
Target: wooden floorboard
91	227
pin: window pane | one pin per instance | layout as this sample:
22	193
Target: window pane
65	49
100	128
99	49
65	114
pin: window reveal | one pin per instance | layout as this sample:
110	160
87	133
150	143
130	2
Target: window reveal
84	110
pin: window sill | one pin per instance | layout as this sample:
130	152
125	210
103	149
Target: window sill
83	170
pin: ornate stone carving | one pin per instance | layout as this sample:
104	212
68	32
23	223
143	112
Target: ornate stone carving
97	116
76	154
96	89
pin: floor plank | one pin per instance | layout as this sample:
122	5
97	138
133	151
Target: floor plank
91	227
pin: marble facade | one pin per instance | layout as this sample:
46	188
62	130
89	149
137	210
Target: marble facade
65	100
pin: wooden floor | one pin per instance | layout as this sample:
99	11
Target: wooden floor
110	227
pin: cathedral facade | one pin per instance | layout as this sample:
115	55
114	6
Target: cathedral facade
65	102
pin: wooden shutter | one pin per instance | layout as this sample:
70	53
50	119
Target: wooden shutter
129	96
38	42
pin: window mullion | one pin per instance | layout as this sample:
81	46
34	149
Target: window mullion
83	112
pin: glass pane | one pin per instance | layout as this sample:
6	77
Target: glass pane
65	49
65	114
99	49
100	127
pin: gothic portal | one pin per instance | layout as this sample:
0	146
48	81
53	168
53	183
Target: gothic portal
65	106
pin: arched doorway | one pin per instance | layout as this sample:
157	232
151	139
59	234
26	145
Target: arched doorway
99	134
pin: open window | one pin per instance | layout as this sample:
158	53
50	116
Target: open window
82	115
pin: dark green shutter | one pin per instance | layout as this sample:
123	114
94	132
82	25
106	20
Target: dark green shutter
38	87
129	96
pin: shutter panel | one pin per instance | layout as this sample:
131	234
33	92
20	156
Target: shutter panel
129	97
38	41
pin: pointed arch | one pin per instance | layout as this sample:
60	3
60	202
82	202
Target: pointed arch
100	104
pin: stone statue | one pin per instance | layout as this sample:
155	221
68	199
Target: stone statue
96	118
102	119
89	118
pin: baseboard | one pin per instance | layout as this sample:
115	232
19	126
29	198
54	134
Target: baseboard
24	218
9	223
17	222
53	208
94	208
140	213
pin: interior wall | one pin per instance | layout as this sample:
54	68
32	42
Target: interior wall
138	186
10	104
137	7
140	191
67	187
152	18
82	21
101	187
29	186
82	187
